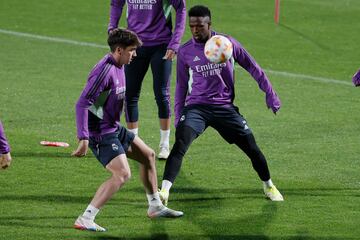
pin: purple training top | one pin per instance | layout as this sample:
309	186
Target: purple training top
202	82
151	20
100	105
4	146
356	78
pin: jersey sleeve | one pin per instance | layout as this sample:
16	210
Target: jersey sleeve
116	8
181	89
95	85
4	145
246	61
356	78
180	20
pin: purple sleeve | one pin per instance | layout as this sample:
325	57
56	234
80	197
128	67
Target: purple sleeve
181	89
116	8
249	64
4	146
95	85
356	78
180	21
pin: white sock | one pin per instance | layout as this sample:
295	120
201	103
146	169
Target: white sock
164	137
91	212
166	185
134	131
268	183
154	199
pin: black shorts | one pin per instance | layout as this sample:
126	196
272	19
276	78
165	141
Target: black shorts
226	120
109	146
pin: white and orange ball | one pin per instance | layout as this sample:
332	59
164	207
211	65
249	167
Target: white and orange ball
218	49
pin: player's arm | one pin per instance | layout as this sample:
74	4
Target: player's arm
249	64
181	89
180	20
356	79
91	92
116	8
5	156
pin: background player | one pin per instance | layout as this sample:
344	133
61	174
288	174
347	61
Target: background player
151	21
5	155
356	78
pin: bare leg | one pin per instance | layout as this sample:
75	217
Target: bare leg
165	123
143	154
120	171
132	125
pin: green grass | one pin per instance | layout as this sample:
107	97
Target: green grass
311	145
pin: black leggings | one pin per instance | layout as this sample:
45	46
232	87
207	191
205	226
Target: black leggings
185	135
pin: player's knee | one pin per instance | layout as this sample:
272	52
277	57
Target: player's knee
150	158
122	176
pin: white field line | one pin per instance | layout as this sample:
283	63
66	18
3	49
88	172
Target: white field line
87	44
52	39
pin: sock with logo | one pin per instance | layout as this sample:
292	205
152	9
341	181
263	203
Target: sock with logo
154	199
91	212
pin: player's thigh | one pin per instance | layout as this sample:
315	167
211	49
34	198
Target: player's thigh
231	125
195	118
140	151
106	148
119	165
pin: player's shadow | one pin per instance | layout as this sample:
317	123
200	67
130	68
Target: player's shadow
45	154
35	221
46	198
306	37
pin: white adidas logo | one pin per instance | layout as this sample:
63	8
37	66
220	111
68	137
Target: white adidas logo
196	58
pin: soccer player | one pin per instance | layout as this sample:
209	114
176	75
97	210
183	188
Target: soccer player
5	155
151	21
98	113
204	97
356	78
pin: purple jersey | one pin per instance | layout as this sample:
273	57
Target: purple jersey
202	82
151	20
4	146
356	78
100	105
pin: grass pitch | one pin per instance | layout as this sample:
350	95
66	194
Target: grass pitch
311	145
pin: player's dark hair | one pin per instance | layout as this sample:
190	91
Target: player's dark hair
199	11
123	38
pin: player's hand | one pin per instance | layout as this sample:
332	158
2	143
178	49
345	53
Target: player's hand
273	102
5	160
169	55
81	149
356	79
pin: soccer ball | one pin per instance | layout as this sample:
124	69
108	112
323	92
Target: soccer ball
218	49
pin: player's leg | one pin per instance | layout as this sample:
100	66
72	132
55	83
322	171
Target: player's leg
112	156
184	136
233	127
142	153
135	73
248	144
192	124
161	70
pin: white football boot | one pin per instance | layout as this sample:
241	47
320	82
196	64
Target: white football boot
84	223
162	211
